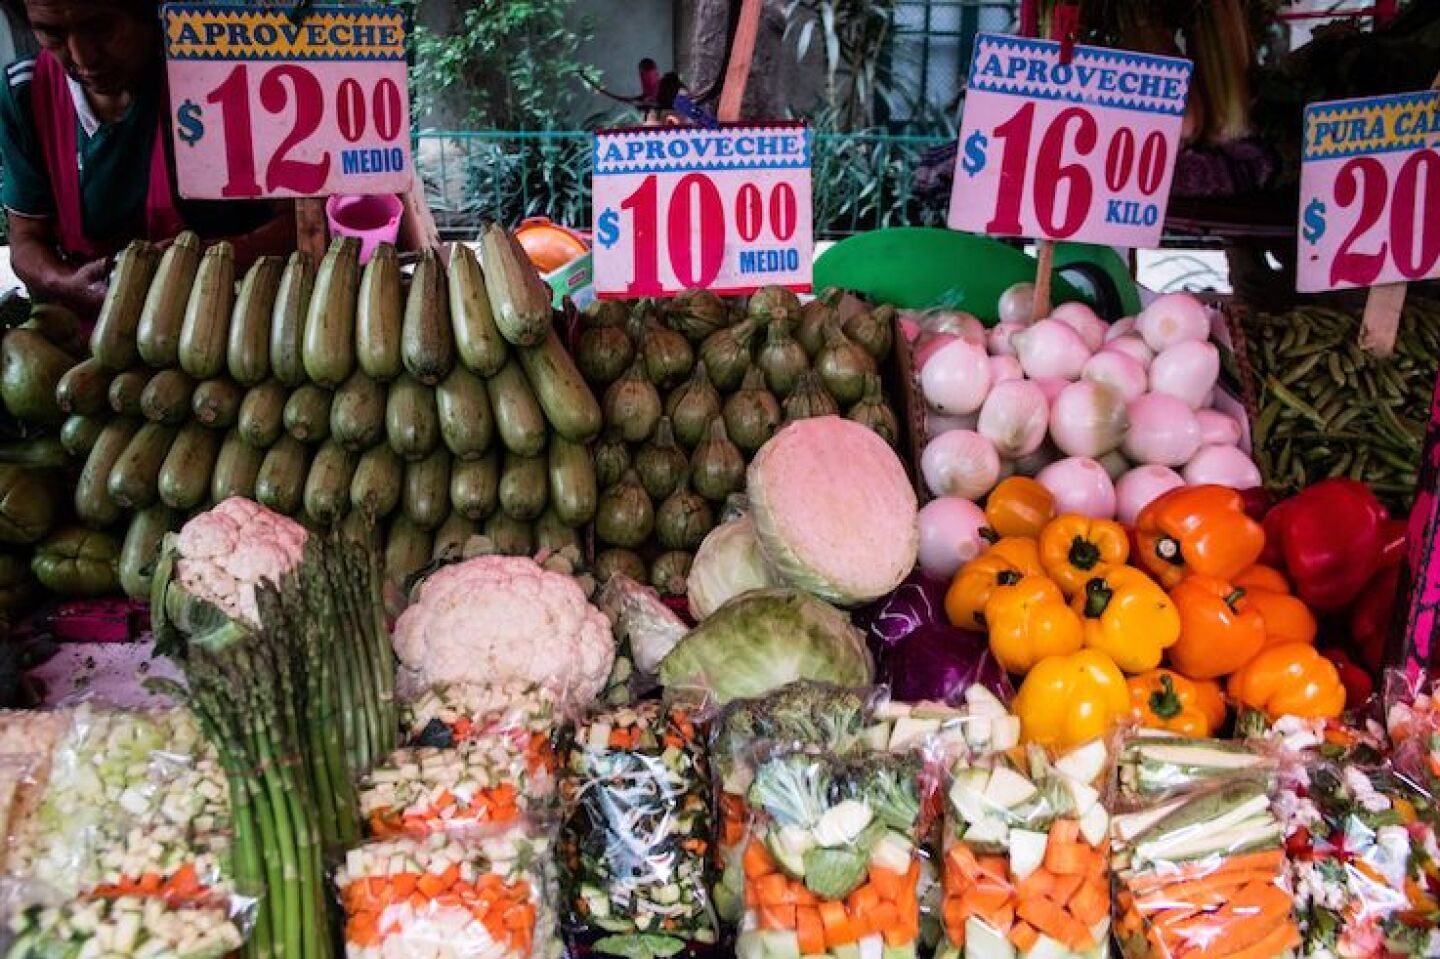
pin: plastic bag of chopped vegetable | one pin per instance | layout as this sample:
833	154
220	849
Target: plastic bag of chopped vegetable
484	895
1412	718
831	859
636	841
1025	854
135	924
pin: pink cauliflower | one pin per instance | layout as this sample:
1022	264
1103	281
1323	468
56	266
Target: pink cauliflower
498	619
225	552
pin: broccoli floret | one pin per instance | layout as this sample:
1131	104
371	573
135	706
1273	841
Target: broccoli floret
794	789
814	714
889	784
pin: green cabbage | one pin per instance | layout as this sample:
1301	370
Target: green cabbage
728	563
762	640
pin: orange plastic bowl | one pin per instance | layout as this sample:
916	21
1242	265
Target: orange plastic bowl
549	245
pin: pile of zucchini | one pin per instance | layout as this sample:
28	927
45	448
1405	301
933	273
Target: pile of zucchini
333	394
692	388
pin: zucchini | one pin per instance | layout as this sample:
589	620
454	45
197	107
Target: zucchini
29	504
262	414
327	487
375	487
205	330
328	348
166	398
519	299
31	369
54	322
44	452
79	434
567	400
248	353
158	336
287	321
411	422
113	340
518	417
451	537
185	475
377	316
280	484
216	403
126	389
523	487
510	536
407	550
426	496
427	344
133	482
236	468
92	497
357	413
463	406
475	486
477	341
142	548
83	388
573	490
307	414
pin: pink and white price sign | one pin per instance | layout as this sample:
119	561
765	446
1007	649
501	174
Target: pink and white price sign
261	106
1079	150
724	208
1370	192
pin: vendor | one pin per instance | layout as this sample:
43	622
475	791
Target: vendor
85	159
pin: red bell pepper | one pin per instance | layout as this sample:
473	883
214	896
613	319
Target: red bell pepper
1357	682
1371	615
1329	537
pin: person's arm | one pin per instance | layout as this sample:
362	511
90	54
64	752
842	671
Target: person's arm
276	237
35	260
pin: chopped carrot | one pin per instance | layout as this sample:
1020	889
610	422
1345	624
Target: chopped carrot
862	900
884	916
1284	938
1065	832
994	868
1089	904
777	917
954	914
1069	858
1036	885
1023	936
1063	889
839	930
757	861
430	885
773	890
1192	889
1049	918
1270	860
988	903
404	883
810	931
886	882
962	860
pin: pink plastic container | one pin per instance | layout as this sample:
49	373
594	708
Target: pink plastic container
370	219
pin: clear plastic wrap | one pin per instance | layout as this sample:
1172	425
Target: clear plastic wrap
1412	718
445	715
1025	867
131	925
831	859
1154	763
487	895
635	846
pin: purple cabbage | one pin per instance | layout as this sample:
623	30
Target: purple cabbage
919	655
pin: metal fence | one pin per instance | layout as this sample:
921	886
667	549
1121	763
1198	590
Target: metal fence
861	181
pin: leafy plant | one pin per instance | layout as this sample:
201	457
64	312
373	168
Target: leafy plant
852	34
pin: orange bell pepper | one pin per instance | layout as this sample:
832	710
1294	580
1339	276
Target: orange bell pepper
1261	576
1005	563
1290	680
1287	618
1163	699
1029	621
1197	529
1219	630
1073	547
1019	506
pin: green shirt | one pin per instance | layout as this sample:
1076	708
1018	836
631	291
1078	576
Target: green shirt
114	168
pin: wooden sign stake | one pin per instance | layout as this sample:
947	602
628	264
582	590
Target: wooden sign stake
312	230
742	55
1044	268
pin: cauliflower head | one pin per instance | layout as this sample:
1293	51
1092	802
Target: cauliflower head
225	552
502	619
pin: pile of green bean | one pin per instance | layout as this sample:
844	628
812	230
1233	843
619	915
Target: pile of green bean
1327	407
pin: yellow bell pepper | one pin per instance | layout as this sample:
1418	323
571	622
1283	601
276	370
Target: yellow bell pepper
1128	617
1163	699
1290	680
1070	700
1008	561
1019	506
1029	621
1072	547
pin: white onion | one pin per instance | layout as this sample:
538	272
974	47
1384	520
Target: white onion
1115	463
960	463
1218	429
1017	304
1121	327
1051	386
1138	488
951	535
957	323
1036	461
1173	318
1082	320
910	327
1118	371
1223	466
957	378
928	345
1087	419
1004	368
998	339
1014	418
937	423
1133	347
1188	370
1080	485
1050	348
1163	431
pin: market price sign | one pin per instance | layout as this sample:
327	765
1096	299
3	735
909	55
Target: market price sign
264	107
1081	150
725	209
1370	192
